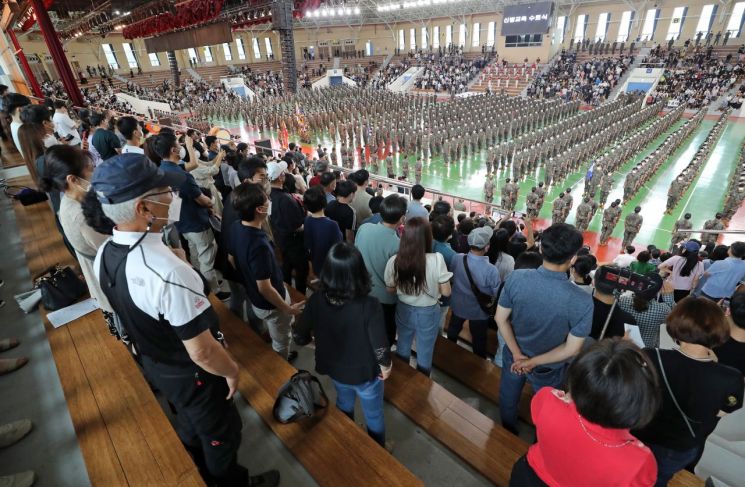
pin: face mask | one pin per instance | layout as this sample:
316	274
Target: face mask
85	187
182	153
174	210
269	210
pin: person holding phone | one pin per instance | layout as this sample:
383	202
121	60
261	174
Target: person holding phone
350	336
65	128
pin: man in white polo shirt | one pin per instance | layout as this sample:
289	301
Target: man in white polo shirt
66	128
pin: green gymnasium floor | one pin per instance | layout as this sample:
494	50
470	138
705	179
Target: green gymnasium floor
703	199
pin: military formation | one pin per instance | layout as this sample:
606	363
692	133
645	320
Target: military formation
686	177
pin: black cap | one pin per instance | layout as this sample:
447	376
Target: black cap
127	176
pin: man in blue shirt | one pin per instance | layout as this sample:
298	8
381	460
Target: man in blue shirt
321	232
723	277
194	217
415	208
544	319
485	277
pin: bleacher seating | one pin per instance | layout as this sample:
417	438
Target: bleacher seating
512	79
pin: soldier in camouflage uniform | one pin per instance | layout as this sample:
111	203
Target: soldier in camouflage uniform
584	215
632	225
532	203
557	211
606	185
489	190
674	193
611	216
713	224
679	231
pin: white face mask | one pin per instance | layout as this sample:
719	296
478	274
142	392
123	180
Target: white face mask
182	153
85	186
174	209
269	210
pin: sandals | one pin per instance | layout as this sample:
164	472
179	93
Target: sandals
8	365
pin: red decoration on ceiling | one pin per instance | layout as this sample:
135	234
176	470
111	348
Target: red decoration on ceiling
186	15
31	20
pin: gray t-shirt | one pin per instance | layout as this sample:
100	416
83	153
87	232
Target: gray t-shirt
377	244
546	306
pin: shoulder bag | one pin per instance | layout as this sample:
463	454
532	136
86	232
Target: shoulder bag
59	287
487	303
300	398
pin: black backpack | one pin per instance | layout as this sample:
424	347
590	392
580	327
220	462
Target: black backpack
299	398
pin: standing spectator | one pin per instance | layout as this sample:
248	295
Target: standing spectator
194	216
685	270
104	139
377	243
66	127
602	302
321	232
419	277
732	352
580	272
648	311
361	202
442	231
14	103
723	277
349	330
624	260
415	208
612	388
498	255
130	129
253	255
696	390
542	329
473	273
341	211
328	182
287	217
642	264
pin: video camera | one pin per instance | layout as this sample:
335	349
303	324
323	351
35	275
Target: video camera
624	280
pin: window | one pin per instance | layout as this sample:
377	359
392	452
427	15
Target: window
269	50
401	40
561	28
448	35
425	40
491	34
735	21
625	26
412	39
108	51
476	35
368	48
226	51
257	51
525	40
602	29
650	22
192	54
207	54
704	21
436	37
579	31
154	61
241	50
130	55
462	36
676	22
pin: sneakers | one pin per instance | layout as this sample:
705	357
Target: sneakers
23	479
13	432
266	479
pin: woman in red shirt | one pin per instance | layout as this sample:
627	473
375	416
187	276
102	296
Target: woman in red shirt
583	434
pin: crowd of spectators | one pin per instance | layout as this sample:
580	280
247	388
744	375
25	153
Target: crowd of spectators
390	73
450	72
590	81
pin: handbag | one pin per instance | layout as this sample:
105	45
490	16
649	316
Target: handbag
59	287
487	303
300	398
25	195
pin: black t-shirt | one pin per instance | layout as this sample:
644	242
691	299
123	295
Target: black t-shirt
732	353
341	213
255	259
702	389
615	326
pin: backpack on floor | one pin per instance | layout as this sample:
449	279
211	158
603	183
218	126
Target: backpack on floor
299	398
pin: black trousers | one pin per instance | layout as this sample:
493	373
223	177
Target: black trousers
295	258
478	333
389	315
523	475
208	425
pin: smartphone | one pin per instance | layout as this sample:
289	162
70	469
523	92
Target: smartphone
518	214
57	135
69	138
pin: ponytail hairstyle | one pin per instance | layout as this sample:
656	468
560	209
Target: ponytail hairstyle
584	265
94	215
410	266
61	161
691	259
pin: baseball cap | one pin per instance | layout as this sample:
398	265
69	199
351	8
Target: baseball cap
480	237
127	176
275	169
692	246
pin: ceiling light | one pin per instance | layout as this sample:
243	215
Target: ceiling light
348	10
116	12
356	10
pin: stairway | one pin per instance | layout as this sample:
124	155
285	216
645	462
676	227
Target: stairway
385	62
194	75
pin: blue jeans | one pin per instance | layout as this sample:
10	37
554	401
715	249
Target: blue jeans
422	322
670	462
371	398
511	386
